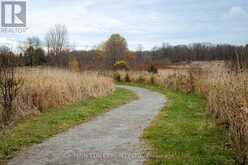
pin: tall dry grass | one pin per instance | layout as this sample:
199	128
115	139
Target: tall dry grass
228	101
225	91
47	87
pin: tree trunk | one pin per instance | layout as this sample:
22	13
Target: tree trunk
6	114
241	160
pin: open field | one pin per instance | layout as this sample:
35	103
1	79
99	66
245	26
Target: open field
43	88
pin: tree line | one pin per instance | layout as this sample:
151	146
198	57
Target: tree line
56	51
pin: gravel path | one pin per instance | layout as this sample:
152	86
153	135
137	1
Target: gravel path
110	139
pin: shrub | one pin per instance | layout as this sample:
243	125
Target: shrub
117	76
152	79
74	64
152	69
121	65
141	79
9	85
127	78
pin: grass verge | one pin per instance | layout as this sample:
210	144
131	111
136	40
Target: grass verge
56	120
184	133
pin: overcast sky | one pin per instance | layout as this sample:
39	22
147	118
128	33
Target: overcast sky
146	22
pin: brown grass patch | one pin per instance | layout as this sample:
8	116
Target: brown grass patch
47	87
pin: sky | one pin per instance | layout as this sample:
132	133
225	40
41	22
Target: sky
146	22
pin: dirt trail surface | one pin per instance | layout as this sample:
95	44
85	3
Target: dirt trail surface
110	139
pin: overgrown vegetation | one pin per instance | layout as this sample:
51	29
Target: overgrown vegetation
45	88
237	59
152	69
228	101
10	85
56	120
121	65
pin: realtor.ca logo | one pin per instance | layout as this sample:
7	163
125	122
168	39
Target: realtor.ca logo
13	16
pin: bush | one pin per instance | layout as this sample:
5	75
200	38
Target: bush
117	77
9	85
152	69
74	64
141	79
127	78
152	80
121	65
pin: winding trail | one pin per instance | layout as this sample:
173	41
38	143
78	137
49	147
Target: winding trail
111	139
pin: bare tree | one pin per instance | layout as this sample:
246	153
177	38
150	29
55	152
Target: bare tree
33	41
30	42
56	40
9	83
140	53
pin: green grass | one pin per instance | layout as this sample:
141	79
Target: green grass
56	120
184	133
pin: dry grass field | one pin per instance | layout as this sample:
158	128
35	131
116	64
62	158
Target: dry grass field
43	88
